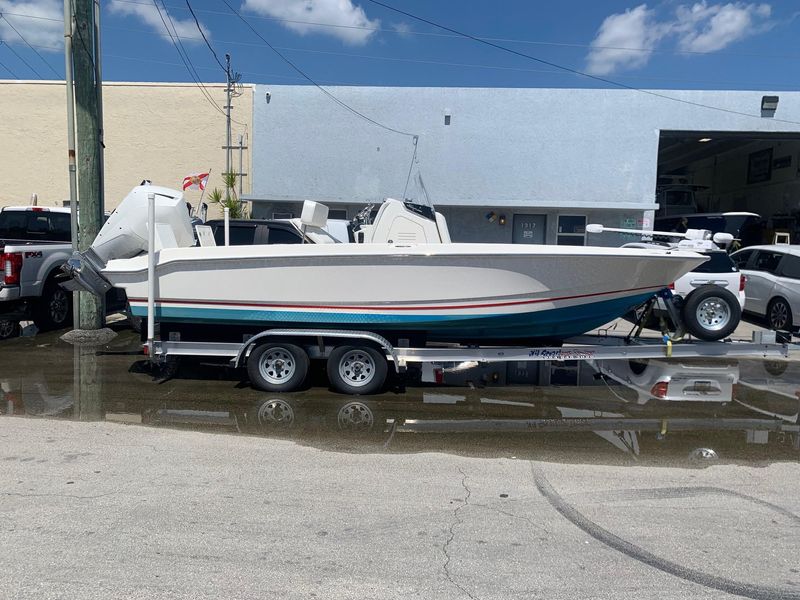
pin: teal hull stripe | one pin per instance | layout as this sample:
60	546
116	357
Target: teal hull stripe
572	320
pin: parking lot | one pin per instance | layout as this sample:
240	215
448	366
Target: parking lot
232	492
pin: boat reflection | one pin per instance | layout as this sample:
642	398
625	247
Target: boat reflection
628	405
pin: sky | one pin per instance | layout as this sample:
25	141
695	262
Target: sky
666	45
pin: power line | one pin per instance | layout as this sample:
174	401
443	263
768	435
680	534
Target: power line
569	69
205	39
14	75
49	66
192	73
313	82
487	38
15	53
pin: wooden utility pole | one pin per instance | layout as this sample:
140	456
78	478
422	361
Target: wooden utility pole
89	157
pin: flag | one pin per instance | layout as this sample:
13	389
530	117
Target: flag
197	181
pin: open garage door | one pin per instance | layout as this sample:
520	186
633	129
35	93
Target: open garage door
722	172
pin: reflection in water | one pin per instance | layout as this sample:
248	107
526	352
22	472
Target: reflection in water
634	406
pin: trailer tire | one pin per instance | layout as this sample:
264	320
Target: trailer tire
711	313
277	367
54	309
9	329
357	370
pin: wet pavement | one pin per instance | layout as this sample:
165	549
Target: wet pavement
550	480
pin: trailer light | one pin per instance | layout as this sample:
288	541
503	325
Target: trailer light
660	390
671	285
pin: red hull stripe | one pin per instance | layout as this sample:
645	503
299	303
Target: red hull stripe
389	307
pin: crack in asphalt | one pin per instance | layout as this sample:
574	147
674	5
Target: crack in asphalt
730	586
452	534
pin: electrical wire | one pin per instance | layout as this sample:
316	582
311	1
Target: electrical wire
2	64
205	39
193	74
313	82
49	66
570	69
492	39
15	53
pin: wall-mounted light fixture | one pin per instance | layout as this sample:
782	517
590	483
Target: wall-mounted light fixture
447	116
769	104
704	140
502	220
491	216
267	97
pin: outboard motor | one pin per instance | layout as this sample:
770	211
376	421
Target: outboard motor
124	235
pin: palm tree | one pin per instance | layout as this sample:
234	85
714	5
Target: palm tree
229	197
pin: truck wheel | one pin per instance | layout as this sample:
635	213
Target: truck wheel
357	370
711	313
54	309
9	329
277	367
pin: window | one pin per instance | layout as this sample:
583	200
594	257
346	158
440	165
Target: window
719	262
278	235
767	261
740	258
279	214
60	227
791	267
571	230
337	213
240	235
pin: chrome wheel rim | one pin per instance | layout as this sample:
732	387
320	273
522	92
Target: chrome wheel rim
713	314
59	306
277	365
779	315
355	416
357	368
278	413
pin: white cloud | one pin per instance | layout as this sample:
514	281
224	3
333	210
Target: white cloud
699	27
635	28
186	29
44	33
403	28
707	28
351	23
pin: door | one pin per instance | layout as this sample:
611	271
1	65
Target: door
761	277
529	229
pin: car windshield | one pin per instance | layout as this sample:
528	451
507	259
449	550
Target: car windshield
719	262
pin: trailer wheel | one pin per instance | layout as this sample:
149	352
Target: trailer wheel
9	329
357	370
711	313
277	367
54	308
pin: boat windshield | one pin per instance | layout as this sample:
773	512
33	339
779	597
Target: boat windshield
417	200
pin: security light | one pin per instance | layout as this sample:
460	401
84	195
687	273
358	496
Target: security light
769	103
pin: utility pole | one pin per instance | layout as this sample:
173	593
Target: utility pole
85	55
228	92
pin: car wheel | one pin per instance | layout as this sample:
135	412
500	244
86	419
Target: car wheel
779	315
277	367
54	309
711	313
9	329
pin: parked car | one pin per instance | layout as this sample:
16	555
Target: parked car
773	283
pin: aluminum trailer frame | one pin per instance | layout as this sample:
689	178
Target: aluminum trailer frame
582	348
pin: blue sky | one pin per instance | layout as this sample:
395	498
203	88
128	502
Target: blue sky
670	44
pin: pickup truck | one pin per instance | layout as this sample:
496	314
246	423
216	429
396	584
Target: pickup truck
34	243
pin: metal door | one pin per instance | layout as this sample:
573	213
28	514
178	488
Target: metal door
529	229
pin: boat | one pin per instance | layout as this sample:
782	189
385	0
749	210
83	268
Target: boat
403	278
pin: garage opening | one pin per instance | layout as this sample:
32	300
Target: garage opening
707	173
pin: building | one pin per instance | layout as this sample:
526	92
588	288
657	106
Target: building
526	165
156	131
